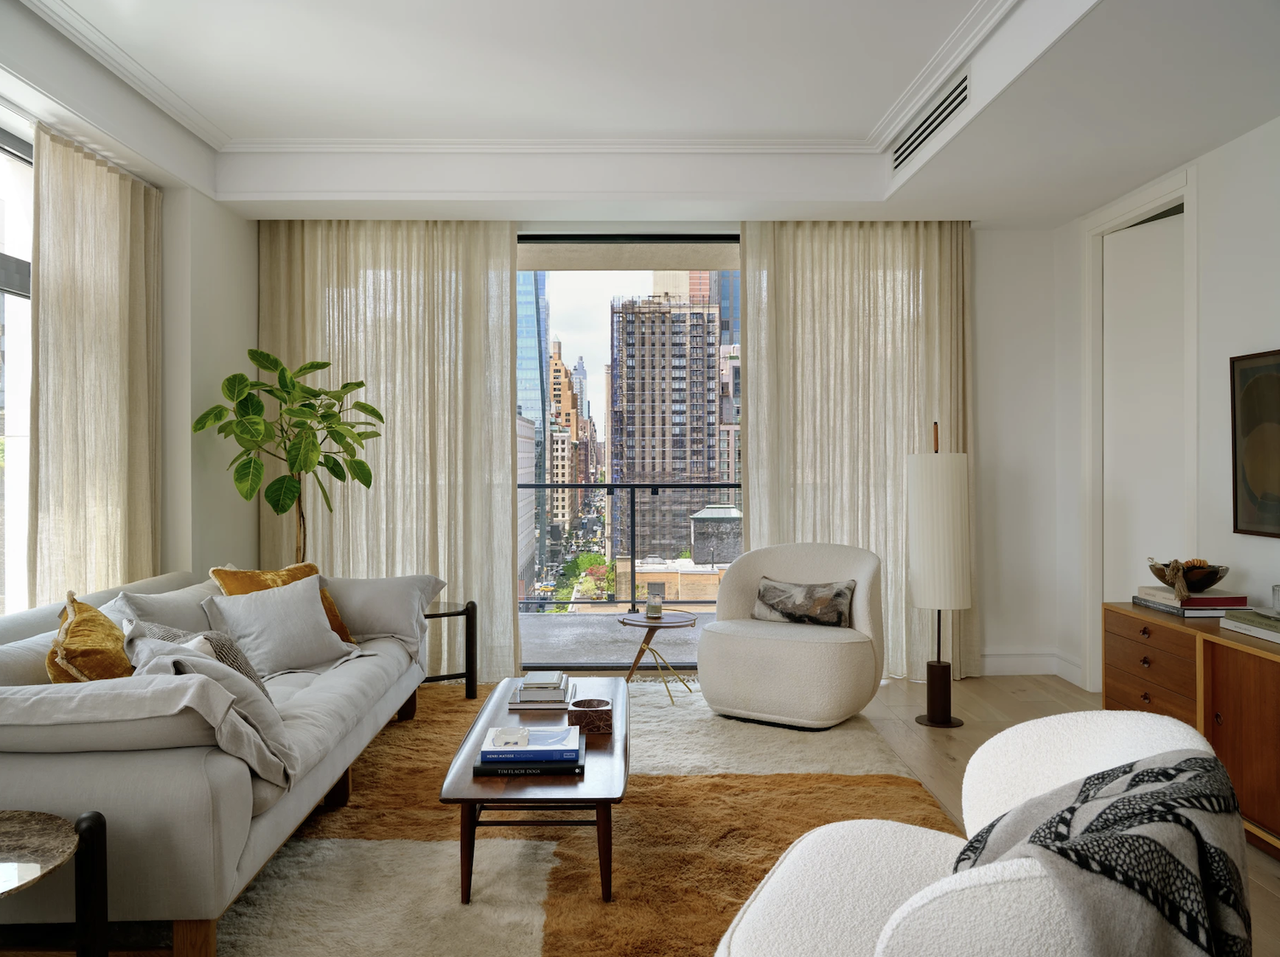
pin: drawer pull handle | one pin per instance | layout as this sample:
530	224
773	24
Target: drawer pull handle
1146	662
1146	697
1146	632
1217	717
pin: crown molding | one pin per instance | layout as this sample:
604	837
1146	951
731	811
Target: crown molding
93	41
566	146
978	24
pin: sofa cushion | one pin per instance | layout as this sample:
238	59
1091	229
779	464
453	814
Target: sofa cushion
829	604
374	607
279	629
23	662
89	646
238	581
177	609
212	643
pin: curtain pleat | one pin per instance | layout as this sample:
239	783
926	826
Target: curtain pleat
855	341
95	339
424	313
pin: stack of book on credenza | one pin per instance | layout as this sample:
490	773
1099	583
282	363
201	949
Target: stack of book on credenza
1210	603
1258	623
542	691
527	751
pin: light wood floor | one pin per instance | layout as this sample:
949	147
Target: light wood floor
937	756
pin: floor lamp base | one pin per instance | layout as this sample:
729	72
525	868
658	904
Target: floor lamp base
938	691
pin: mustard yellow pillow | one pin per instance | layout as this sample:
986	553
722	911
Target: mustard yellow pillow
58	674
89	646
239	581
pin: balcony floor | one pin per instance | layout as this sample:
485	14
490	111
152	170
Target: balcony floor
595	638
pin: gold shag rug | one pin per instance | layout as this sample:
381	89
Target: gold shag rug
688	849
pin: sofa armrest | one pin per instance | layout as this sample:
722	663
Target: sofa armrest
1005	909
177	823
832	890
1038	756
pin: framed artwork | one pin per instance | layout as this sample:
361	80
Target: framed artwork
1255	442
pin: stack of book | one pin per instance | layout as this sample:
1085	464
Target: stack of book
1210	603
542	691
528	751
1265	625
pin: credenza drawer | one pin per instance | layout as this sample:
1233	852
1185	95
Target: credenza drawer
1149	663
1126	692
1162	637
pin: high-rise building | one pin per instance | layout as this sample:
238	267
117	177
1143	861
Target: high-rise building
663	417
526	505
730	448
532	357
580	387
566	414
671	282
726	289
564	465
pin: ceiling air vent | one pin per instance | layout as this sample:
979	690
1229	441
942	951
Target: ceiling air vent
932	122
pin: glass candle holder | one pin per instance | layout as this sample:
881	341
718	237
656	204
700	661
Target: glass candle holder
653	607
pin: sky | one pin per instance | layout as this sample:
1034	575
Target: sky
579	305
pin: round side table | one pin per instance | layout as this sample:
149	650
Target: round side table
669	619
34	844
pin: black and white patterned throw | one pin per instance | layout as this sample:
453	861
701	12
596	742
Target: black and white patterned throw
1148	857
223	647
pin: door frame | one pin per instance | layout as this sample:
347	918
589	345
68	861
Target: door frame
1177	188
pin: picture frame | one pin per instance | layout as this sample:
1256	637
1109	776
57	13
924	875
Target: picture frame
1255	443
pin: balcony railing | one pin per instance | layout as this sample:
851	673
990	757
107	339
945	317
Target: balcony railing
628	510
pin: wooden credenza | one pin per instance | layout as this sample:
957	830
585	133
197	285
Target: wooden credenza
1225	684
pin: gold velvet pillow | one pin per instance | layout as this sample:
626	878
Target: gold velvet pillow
89	646
238	581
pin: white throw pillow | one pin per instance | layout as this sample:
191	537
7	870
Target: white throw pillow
375	607
178	609
278	629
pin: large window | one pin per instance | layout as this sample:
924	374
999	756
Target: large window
15	354
627	395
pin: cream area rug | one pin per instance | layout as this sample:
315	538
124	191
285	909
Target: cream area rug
710	805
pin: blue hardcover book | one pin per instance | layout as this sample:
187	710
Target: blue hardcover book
530	744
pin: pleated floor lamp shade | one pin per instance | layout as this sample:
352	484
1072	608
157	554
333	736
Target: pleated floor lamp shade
938	557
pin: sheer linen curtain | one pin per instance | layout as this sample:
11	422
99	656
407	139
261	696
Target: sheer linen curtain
424	313
855	340
95	385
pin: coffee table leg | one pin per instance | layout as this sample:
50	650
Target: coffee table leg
604	844
644	646
470	814
91	885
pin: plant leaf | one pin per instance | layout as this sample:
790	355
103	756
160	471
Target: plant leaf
309	392
341	442
350	434
309	367
281	397
282	493
367	435
304	452
250	405
210	417
251	427
265	360
334	466
368	410
239	455
235	387
327	504
248	477
227	428
287	383
360	471
349	387
294	412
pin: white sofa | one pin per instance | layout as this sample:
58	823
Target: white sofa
862	888
188	827
805	676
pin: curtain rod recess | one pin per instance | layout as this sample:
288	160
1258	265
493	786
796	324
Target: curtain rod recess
629	238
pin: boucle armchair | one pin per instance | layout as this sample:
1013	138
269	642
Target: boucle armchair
807	676
863	888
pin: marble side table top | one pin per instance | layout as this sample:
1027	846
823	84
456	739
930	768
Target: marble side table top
32	845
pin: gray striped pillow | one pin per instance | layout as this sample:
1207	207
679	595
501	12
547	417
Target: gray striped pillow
222	645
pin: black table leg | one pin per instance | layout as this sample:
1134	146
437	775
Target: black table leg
604	846
471	648
470	814
91	886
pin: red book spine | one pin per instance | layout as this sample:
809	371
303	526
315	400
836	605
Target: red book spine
1216	601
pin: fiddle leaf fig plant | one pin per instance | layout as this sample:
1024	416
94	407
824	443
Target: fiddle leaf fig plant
313	429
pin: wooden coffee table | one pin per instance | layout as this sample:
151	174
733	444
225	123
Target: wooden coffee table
598	789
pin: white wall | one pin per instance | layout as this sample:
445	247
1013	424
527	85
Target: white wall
211	319
1015	464
1239	254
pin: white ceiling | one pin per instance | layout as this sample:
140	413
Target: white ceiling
827	70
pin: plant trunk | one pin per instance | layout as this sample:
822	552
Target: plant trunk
300	555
